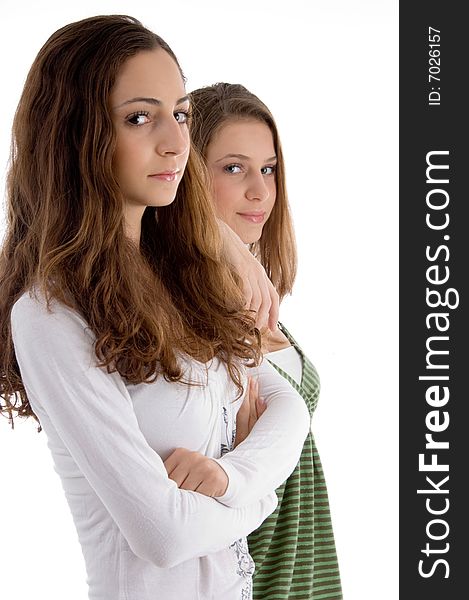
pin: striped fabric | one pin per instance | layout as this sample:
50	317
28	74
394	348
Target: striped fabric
294	548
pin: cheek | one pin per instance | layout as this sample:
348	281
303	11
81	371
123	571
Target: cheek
272	194
118	163
134	146
225	196
124	155
222	208
187	140
186	157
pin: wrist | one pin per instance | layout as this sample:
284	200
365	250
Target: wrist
233	247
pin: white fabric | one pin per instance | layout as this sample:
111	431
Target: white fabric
289	360
142	537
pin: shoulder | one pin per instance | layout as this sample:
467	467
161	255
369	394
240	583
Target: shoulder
29	304
32	312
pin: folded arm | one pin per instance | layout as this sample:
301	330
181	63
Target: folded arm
271	451
93	415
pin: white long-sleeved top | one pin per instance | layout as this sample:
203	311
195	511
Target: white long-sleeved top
289	360
142	537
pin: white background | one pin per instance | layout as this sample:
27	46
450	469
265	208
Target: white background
328	71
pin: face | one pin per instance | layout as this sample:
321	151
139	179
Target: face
241	157
149	111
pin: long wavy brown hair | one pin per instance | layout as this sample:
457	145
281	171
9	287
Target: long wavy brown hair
65	226
213	107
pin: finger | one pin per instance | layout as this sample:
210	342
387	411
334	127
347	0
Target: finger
260	406
256	295
242	426
171	462
179	474
252	406
191	482
265	301
242	417
274	306
210	489
215	482
205	489
252	389
247	292
243	410
177	457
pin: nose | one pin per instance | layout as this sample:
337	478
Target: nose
172	138
257	188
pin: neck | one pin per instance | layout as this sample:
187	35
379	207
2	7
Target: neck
133	223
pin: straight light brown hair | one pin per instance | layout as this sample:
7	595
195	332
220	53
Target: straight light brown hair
217	105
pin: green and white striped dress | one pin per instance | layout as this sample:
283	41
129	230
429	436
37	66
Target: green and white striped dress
294	549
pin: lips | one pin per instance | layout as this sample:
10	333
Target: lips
165	175
253	216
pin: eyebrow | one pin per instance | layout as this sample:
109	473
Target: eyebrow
153	101
243	157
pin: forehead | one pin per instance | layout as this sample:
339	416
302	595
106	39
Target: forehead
152	73
242	135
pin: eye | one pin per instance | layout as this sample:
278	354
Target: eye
268	170
182	116
138	118
232	169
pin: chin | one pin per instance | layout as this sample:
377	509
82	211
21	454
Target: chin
251	237
167	202
162	201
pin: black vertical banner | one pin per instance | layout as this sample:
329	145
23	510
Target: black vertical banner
434	257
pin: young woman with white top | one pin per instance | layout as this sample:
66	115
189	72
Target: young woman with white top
124	331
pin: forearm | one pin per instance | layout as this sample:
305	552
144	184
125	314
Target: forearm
269	454
260	295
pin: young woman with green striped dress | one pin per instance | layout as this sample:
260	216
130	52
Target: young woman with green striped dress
294	549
